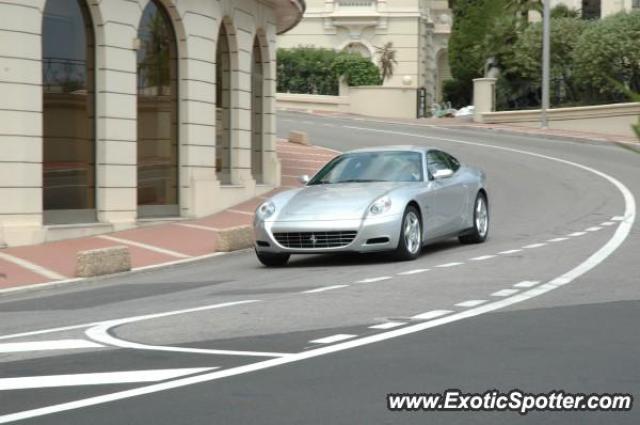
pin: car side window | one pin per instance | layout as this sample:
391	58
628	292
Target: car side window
437	161
454	164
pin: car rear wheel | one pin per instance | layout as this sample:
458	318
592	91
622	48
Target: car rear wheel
480	221
271	259
410	243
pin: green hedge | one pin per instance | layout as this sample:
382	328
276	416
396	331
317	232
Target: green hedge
311	70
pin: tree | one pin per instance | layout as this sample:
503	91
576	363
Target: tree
386	60
524	67
607	53
563	11
472	21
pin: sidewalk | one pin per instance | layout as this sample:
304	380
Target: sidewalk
157	244
467	123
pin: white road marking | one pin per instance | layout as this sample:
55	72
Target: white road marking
511	251
35	268
387	325
374	279
526	283
483	257
101	334
333	338
431	314
505	292
471	303
324	288
620	235
415	271
576	234
607	223
593	229
447	265
103	378
62	344
198	226
534	245
617	218
47	331
144	246
557	239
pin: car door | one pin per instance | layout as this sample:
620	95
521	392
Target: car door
445	196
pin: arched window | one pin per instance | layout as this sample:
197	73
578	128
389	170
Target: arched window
223	107
157	114
68	113
257	108
358	49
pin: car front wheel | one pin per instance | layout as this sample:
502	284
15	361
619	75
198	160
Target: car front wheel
410	243
480	221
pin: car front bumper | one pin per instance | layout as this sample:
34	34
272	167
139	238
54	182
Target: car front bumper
385	229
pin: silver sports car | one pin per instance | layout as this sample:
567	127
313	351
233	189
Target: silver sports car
395	198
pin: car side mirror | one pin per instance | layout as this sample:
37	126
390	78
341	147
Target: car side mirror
304	179
442	174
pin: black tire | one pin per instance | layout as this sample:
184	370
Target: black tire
272	260
403	252
476	235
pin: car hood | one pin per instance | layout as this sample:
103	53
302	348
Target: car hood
345	201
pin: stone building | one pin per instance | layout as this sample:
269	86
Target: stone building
418	29
117	112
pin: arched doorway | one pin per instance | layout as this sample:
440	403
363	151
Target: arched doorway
68	87
157	114
257	112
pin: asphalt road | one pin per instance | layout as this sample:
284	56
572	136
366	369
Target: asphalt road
549	302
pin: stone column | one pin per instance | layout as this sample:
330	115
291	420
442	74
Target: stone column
116	112
20	122
484	97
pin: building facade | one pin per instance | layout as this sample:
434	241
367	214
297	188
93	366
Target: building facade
418	29
595	9
117	112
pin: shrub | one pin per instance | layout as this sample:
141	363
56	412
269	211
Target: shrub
456	92
306	70
358	71
607	53
313	70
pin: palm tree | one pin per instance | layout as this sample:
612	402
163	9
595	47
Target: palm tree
522	7
386	60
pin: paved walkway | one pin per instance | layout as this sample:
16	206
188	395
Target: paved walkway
154	244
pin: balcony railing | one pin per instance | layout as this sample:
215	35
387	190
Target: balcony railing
356	5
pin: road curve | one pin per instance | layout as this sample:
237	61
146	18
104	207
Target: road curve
562	212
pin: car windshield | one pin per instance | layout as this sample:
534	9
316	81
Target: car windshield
368	167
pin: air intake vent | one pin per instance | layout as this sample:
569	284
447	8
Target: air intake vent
316	240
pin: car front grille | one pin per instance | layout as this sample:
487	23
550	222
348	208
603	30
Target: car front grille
317	240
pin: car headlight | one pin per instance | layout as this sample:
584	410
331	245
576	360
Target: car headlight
380	206
265	210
